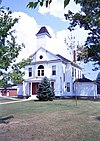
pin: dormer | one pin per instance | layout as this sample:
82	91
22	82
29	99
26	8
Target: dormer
43	37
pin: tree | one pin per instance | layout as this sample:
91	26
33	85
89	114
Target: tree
33	4
88	18
45	91
10	71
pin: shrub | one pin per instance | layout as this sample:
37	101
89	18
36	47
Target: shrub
45	91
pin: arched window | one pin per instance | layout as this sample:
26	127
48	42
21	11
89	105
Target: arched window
41	70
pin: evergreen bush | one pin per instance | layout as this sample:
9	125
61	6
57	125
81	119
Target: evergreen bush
45	91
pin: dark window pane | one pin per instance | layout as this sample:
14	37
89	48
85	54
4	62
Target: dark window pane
38	72
41	67
30	72
42	72
54	70
68	87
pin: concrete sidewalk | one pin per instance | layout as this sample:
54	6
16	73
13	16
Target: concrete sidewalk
17	100
14	101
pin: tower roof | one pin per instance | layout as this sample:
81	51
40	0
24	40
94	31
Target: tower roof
43	31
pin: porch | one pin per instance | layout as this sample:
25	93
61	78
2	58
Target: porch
30	86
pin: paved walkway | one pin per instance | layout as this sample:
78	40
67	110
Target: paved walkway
15	100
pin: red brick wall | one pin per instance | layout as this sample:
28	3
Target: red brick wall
13	92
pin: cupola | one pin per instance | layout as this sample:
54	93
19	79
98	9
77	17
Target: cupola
42	37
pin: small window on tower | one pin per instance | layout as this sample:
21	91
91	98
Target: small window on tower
41	57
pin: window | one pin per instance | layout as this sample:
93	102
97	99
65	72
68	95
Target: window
75	73
54	70
78	73
30	72
64	76
41	70
60	84
68	87
72	72
41	56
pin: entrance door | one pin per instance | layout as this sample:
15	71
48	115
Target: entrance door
52	85
34	88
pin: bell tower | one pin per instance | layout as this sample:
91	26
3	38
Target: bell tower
42	37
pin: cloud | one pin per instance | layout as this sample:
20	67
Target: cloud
57	8
26	28
87	70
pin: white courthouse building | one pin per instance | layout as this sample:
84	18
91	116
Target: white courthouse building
60	71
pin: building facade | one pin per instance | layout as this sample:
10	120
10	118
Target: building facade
85	88
60	71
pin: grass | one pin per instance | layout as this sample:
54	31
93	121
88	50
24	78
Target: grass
58	120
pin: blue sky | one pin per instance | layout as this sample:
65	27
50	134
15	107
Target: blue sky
52	17
48	19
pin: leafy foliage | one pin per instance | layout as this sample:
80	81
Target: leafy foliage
66	2
40	2
88	18
82	53
47	3
45	91
8	47
9	50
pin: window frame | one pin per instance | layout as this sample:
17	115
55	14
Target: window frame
30	72
54	70
40	70
72	71
68	86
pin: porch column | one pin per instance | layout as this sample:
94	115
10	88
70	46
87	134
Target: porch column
24	88
31	89
7	92
95	91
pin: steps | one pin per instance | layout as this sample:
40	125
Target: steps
33	97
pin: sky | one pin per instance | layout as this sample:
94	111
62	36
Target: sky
31	20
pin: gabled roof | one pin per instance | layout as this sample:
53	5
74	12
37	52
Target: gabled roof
83	80
57	57
66	61
43	31
76	65
46	51
62	58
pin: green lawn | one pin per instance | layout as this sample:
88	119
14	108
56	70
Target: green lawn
58	120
